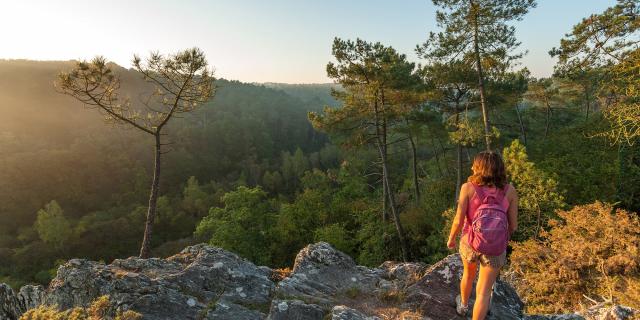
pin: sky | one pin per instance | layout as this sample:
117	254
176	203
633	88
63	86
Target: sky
253	40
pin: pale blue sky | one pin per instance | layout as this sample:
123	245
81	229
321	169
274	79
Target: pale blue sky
252	40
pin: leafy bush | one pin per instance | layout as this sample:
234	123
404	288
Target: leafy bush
591	254
538	192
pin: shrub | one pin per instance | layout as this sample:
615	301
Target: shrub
591	254
98	310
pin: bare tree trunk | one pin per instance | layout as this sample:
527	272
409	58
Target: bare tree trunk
523	131
381	137
459	172
458	157
443	150
483	99
416	186
385	200
548	121
404	245
586	93
153	200
437	154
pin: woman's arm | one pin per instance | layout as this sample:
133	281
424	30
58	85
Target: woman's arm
512	213
458	220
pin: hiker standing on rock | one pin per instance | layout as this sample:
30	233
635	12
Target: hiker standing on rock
487	214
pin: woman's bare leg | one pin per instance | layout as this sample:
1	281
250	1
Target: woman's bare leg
466	284
486	280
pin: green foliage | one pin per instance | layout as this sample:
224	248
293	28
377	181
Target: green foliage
538	193
52	226
496	37
337	235
600	39
243	225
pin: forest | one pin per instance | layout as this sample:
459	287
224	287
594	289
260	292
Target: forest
371	163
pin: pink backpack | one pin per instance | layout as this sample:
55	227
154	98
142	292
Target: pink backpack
489	230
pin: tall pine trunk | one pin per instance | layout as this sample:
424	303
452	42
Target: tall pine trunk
385	201
414	158
548	120
381	141
153	200
588	106
404	245
483	99
458	158
523	131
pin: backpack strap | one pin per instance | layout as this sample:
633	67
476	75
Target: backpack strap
498	196
479	192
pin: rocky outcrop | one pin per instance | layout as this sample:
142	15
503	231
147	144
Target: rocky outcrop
201	282
204	282
12	304
294	309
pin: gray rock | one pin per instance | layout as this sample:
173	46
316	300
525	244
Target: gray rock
204	282
224	310
346	313
573	316
617	312
8	303
324	275
294	310
434	294
181	286
407	272
13	305
30	296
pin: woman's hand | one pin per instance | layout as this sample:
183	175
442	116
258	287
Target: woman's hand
451	244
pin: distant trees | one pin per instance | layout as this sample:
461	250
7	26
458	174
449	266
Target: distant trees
477	32
52	226
243	226
181	82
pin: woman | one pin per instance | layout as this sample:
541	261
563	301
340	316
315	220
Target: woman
487	184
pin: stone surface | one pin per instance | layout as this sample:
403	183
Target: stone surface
323	275
434	294
204	282
294	310
187	284
346	313
13	304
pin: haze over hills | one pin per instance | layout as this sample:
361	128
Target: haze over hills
233	181
54	148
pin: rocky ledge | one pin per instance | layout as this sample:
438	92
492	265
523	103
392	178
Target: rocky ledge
204	282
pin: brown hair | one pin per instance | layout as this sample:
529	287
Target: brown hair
488	170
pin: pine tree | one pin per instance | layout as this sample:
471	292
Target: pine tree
477	32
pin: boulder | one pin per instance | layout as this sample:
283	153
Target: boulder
323	275
13	305
434	294
199	280
346	313
294	310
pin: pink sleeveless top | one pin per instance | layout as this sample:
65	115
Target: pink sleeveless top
475	202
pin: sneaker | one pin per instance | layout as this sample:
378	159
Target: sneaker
460	309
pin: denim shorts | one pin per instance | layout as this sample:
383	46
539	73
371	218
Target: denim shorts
471	256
